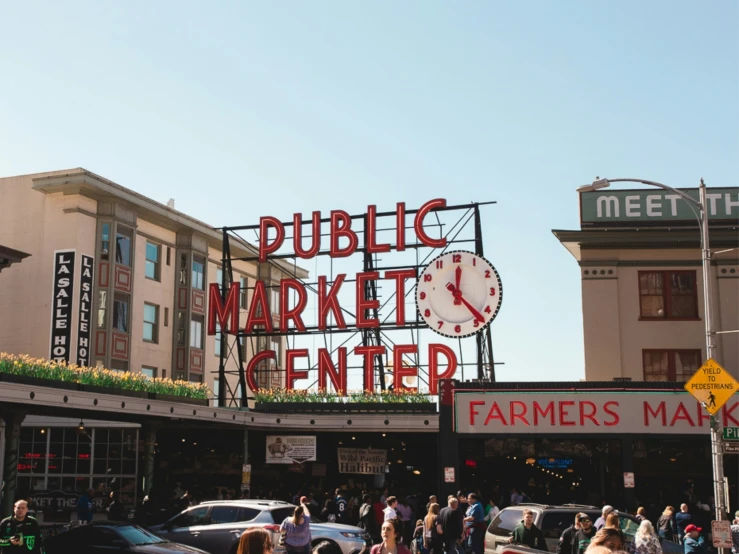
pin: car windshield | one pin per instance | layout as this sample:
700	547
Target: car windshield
506	521
138	536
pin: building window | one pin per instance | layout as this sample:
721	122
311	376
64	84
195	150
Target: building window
196	378
181	328
153	251
105	241
196	332
151	323
216	391
275	299
667	295
183	269
120	313
123	245
102	307
198	271
219	338
276	344
670	365
149	371
118	365
244	292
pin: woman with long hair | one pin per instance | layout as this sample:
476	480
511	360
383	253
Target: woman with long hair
666	524
641	514
432	531
610	538
255	541
646	540
391	533
297	531
612	521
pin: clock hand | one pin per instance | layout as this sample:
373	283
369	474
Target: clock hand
458	277
458	295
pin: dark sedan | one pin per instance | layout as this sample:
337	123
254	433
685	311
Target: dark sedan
107	537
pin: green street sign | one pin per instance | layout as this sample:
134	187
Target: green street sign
731	433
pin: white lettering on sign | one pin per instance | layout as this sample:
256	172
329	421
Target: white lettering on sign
61	309
608	202
584	412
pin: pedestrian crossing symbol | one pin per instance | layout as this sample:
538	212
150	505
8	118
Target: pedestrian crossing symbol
712	385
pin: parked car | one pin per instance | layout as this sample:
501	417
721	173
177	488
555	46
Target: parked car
553	520
109	536
217	526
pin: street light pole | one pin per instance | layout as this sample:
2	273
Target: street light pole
702	217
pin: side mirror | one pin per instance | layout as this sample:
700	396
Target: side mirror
119	544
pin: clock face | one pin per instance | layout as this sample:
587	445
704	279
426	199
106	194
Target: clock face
458	294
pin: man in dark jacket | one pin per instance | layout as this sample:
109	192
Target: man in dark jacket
528	534
451	524
20	532
583	536
682	519
564	546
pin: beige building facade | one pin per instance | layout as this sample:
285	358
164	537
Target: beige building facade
150	267
642	287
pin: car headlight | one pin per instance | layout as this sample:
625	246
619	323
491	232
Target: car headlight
352	535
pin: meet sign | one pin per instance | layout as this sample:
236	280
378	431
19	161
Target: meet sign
607	208
585	412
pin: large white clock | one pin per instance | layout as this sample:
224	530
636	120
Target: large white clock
458	294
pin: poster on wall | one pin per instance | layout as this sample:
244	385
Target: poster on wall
61	306
283	449
87	270
365	461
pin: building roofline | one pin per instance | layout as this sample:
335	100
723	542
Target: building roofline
10	256
87	183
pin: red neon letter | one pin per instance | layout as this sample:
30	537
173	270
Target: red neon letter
252	365
654	413
726	412
401	370
473	411
264	247
614	415
292	374
228	314
369	353
563	405
591	413
400	227
549	410
327	368
495	413
286	314
341	224
400	276
298	236
681	414
519	415
370	233
451	368
363	322
418	224
329	302
259	313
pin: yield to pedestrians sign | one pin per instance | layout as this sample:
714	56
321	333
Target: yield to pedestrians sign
712	385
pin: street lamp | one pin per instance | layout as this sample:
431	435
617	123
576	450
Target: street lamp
702	217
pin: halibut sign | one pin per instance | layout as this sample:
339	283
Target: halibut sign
712	385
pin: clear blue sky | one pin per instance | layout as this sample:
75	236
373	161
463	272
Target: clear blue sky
281	107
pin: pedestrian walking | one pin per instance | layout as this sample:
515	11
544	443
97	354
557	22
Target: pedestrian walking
564	545
735	534
84	507
20	532
432	531
475	525
342	513
694	542
296	530
491	510
641	514
682	520
390	512
666	524
391	534
646	540
116	511
601	521
584	535
405	513
610	538
367	520
451	526
528	534
255	541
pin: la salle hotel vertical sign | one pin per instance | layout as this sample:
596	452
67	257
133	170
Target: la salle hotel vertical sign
61	305
87	271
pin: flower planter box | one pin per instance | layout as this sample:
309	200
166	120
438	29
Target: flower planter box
175	398
342	407
114	391
38	382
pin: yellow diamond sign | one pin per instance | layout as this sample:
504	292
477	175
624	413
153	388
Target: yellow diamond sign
712	385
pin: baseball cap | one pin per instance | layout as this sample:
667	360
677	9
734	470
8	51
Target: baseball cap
581	516
690	528
607	509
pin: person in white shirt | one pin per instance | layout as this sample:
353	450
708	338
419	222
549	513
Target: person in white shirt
390	513
491	510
